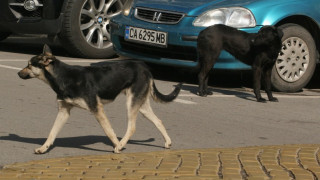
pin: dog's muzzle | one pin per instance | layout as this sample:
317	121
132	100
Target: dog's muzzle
23	74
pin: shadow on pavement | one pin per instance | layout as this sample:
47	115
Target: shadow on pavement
75	142
32	45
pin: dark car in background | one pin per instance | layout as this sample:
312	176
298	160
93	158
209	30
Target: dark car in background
165	32
81	25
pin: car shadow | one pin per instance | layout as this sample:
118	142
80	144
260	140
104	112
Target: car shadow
314	84
32	45
79	142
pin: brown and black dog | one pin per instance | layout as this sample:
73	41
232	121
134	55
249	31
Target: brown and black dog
259	50
89	87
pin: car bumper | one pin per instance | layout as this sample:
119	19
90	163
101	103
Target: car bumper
44	20
38	27
180	51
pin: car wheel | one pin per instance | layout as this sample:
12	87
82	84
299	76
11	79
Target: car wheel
4	35
296	61
85	26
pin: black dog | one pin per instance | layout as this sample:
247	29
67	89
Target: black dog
260	50
92	86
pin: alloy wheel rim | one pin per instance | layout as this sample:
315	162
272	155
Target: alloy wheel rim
94	21
293	59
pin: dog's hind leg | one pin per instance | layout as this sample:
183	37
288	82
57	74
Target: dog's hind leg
146	110
133	106
62	117
105	123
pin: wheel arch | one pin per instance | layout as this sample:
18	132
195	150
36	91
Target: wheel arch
62	10
64	6
309	24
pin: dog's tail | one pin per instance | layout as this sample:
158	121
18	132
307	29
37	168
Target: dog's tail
159	97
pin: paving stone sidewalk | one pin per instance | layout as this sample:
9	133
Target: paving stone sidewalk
261	162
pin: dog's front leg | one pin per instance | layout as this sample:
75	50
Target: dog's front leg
105	123
257	83
202	91
267	83
62	117
206	64
133	110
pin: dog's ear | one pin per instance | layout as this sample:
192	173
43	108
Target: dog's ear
47	57
259	40
262	38
46	50
45	61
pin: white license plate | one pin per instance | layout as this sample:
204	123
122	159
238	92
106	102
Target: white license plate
146	36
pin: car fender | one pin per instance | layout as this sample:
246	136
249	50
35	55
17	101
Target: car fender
275	14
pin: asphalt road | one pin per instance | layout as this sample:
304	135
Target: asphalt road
229	118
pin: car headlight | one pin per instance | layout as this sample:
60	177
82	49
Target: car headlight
127	7
237	17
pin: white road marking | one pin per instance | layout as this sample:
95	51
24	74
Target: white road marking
182	101
65	60
13	60
10	67
69	60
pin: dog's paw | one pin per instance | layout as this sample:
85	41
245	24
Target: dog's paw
201	93
209	92
204	93
40	150
273	99
167	145
262	100
117	149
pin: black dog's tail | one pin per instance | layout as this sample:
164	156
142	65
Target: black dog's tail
159	97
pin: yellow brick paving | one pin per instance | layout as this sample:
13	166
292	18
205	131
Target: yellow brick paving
246	163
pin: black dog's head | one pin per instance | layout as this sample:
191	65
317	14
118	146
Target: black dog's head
268	36
37	64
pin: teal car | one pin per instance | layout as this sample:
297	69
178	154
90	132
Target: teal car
165	32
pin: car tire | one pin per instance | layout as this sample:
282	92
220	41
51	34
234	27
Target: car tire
85	26
4	35
296	62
